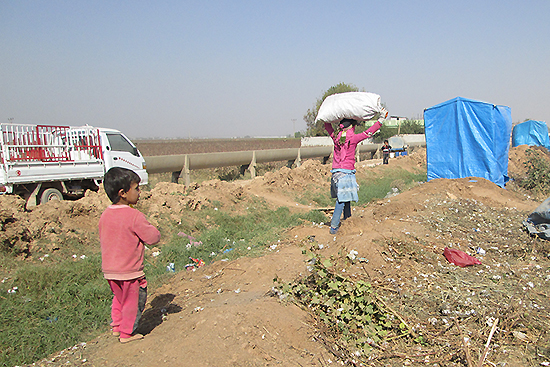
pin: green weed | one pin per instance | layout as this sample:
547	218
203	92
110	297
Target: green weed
372	188
54	305
349	311
538	173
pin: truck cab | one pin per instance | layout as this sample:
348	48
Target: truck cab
119	151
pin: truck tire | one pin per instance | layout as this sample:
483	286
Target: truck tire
50	195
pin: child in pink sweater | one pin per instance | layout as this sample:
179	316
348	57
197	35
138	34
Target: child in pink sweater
123	233
343	185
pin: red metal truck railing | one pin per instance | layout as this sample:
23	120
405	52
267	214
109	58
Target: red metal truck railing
46	143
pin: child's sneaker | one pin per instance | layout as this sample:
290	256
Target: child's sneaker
333	230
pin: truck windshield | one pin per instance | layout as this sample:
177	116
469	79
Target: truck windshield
120	144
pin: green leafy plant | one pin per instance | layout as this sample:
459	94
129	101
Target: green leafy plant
348	310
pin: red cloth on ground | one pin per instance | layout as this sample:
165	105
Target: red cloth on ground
459	258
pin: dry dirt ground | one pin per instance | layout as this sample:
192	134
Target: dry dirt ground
224	314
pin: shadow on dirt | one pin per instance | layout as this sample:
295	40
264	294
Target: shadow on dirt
160	307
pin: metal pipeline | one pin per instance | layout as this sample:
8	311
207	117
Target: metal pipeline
173	163
187	162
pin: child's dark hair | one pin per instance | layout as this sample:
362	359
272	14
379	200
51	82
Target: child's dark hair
386	141
118	178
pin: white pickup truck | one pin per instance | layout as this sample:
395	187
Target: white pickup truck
42	163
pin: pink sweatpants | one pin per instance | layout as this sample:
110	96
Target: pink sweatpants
129	297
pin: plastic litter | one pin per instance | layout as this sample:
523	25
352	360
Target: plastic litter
171	268
197	263
459	258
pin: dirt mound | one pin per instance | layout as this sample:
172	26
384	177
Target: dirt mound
48	226
310	172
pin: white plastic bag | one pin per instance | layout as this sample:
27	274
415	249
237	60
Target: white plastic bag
361	106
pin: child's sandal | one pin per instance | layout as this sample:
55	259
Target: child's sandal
131	338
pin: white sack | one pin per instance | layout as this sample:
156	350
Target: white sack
361	106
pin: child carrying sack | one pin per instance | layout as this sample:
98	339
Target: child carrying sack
360	106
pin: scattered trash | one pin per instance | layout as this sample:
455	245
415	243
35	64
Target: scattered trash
198	262
520	335
538	222
480	251
227	250
170	268
273	247
198	309
352	255
459	258
51	319
156	253
13	290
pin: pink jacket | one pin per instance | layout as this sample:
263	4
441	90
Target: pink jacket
122	232
344	154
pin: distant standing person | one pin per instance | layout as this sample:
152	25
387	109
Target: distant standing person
386	149
343	185
123	233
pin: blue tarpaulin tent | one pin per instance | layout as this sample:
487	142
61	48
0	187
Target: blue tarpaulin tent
467	138
531	133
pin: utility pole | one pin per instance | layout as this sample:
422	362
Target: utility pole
293	128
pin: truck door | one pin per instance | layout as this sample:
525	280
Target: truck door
119	151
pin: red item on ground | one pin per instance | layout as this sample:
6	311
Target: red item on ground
459	258
198	262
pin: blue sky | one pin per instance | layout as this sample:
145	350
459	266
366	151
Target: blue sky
235	68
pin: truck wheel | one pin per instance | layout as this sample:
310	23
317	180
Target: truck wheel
50	194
